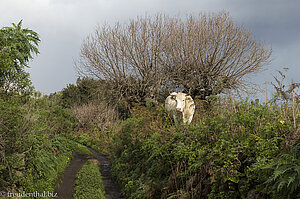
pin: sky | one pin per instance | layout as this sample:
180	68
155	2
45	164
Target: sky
64	24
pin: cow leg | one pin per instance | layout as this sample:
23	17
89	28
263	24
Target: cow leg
186	118
175	118
190	119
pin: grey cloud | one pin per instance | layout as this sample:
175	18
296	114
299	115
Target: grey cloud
63	24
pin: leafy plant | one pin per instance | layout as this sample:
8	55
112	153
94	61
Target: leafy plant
88	183
220	155
33	150
17	47
285	178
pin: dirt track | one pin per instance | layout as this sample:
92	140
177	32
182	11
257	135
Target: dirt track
112	189
66	188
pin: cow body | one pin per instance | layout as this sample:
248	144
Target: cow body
180	105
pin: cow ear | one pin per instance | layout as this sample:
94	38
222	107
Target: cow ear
189	98
173	95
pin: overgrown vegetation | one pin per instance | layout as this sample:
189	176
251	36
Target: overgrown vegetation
232	149
34	144
35	130
236	150
88	184
96	111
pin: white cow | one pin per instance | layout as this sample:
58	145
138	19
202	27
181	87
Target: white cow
180	105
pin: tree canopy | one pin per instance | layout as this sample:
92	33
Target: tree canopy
204	54
17	47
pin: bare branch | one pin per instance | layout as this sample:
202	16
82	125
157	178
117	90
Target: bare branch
149	54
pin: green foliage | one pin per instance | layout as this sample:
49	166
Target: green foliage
88	140
88	90
52	117
223	154
88	184
285	179
11	118
17	46
85	90
47	159
34	149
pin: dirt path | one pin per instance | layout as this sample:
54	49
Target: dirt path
65	190
112	189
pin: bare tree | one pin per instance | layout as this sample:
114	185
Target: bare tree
210	53
204	55
130	57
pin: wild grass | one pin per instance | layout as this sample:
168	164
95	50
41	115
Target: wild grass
88	183
232	149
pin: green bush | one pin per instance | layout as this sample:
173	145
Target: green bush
34	149
222	154
47	114
88	139
45	162
85	91
88	184
285	179
12	142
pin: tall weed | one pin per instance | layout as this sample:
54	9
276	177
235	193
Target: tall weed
220	155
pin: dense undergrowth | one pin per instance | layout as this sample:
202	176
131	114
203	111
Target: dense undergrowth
231	149
39	135
35	132
88	184
234	150
35	148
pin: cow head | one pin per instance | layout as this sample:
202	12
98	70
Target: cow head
181	103
180	99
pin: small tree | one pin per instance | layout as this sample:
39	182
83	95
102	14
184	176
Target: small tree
203	55
17	46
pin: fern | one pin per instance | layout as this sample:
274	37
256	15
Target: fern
285	180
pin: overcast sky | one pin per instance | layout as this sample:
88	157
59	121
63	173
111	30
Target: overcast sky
63	24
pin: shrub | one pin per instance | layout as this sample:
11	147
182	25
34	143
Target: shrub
13	130
285	179
85	90
33	149
220	155
47	114
96	115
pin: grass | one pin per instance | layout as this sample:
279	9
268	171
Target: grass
88	184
